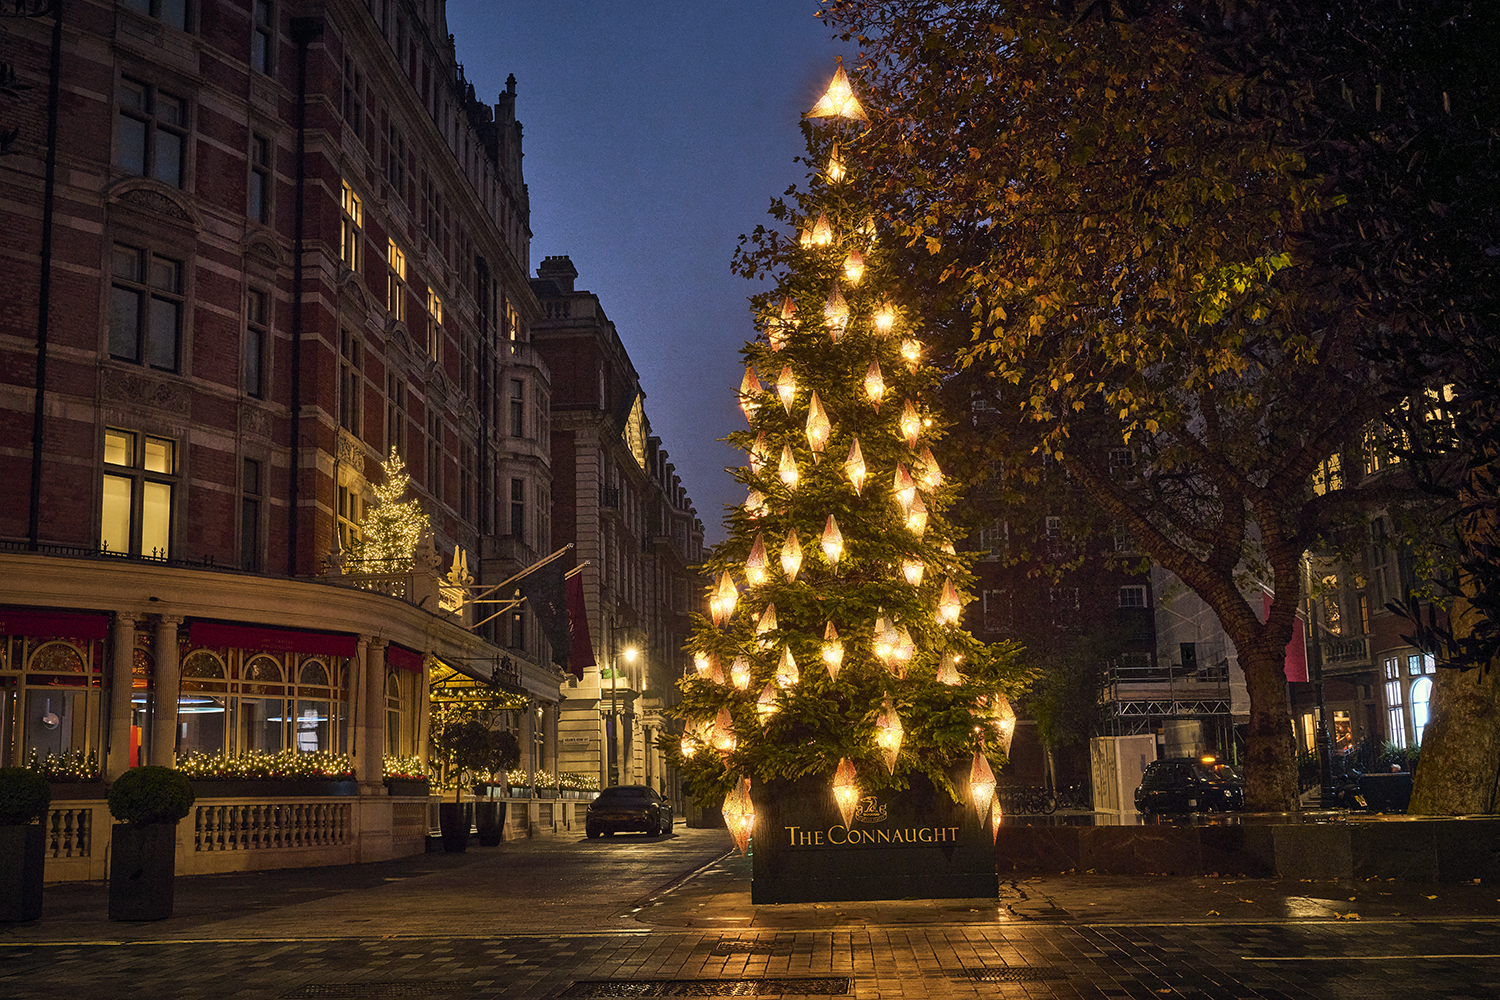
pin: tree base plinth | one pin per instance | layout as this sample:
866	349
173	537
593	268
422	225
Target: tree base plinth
914	844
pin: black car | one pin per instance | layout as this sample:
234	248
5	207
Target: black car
1189	784
629	807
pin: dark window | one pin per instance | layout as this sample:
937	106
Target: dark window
518	508
517	408
350	383
395	414
173	12
145	309
256	339
258	197
263	37
152	133
354	104
250	501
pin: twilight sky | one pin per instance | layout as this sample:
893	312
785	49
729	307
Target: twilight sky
656	132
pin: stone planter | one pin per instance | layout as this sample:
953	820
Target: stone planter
21	868
916	844
142	871
73	791
408	788
489	821
453	820
251	788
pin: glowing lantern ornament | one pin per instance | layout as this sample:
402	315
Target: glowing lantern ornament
765	705
739	673
788	468
874	385
715	672
1004	721
916	518
905	489
778	332
902	651
722	737
750	391
929	476
822	232
947	672
867	228
835	172
854	467
703	663
739	815
787	674
729	596
791	556
854	266
995	819
755	564
818	426
765	626
981	784
846	789
911	424
758	453
688	746
885	318
883	640
833	543
786	387
949	604
836	313
888	734
833	651
755	504
838	101
912	569
911	352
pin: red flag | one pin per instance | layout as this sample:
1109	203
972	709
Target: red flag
582	654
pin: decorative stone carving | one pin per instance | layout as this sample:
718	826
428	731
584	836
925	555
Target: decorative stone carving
155	202
141	389
351	451
255	421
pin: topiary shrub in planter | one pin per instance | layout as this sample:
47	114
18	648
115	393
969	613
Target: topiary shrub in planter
148	802
24	798
489	814
466	750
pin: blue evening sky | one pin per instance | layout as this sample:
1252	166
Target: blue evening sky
656	132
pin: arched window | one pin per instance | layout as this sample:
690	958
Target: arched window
57	687
316	719
262	707
1421	695
201	704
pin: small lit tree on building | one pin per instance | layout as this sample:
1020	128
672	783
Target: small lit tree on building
833	645
392	527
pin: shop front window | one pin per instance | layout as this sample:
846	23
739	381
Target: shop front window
50	699
1421	697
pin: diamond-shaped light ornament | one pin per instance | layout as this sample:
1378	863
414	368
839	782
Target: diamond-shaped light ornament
722	737
838	101
833	651
729	595
739	815
755	563
885	318
981	784
854	266
888	735
1004	721
791	556
786	387
949	604
836	313
835	171
912	568
818	426
929	476
916	518
846	789
911	424
765	626
902	651
787	674
765	705
874	385
787	470
947	671
755	504
758	453
822	231
883	640
833	542
750	393
905	488
911	352
739	673
854	467
779	331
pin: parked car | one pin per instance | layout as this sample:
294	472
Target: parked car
629	807
1189	784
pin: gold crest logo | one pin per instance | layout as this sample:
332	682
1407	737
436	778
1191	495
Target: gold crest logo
869	810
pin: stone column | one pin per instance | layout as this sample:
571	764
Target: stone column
167	685
121	687
423	708
371	744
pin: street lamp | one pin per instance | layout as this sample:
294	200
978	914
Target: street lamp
616	766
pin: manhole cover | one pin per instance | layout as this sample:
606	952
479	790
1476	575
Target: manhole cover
629	988
750	948
381	991
1011	974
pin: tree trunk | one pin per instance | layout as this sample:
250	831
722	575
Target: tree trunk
1460	763
1271	771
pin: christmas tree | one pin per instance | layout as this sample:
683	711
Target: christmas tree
392	528
833	644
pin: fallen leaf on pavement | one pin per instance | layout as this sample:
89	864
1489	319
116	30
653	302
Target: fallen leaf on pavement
1432	897
1212	913
1346	916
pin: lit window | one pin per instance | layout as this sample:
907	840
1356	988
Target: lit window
353	223
1421	696
395	283
434	325
152	133
145	307
137	489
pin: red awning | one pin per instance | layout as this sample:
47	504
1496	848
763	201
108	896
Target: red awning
53	624
271	640
403	659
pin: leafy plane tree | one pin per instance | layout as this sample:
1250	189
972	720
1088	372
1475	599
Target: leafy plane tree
1173	229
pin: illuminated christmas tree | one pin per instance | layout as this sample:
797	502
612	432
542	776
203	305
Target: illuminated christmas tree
392	527
833	645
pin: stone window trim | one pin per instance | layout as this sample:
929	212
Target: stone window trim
173	13
153	132
148	307
140	479
263	37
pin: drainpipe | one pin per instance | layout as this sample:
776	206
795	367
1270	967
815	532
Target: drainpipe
305	31
44	286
